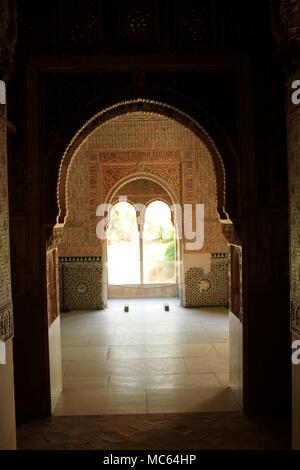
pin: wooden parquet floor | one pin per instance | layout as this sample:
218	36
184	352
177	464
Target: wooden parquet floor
207	431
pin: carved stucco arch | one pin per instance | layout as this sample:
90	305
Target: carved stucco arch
141	175
155	198
140	105
110	197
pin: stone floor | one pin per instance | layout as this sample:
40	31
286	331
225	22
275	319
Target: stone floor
145	361
204	431
140	373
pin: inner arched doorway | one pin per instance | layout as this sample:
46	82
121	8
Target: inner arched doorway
132	147
141	251
157	247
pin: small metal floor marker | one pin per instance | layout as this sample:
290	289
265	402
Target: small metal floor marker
166	307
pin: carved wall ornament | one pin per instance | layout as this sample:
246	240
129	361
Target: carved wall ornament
138	20
286	30
290	17
236	281
7	45
293	130
82	23
52	271
230	233
6	310
295	315
169	175
193	22
6	321
8	37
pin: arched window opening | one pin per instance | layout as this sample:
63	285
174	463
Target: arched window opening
159	247
123	246
145	257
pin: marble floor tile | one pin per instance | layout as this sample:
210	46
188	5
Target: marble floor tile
142	329
197	400
75	340
75	383
206	365
141	339
162	351
147	350
222	349
223	379
54	399
128	367
97	402
64	367
163	381
206	337
87	329
73	353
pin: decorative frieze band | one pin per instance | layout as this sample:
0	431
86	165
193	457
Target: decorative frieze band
219	255
79	258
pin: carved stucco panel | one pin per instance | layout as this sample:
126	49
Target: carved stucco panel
293	125
6	312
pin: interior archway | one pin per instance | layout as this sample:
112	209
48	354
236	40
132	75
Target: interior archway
146	106
141	146
78	71
144	156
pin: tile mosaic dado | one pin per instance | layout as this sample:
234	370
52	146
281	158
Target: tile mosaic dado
81	282
210	288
